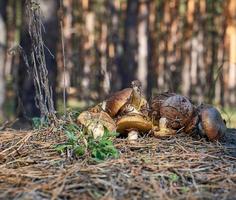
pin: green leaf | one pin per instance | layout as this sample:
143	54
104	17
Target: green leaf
61	147
79	150
72	138
107	134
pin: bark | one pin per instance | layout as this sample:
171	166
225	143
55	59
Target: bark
114	44
2	55
26	105
142	70
88	48
152	55
232	51
106	86
129	66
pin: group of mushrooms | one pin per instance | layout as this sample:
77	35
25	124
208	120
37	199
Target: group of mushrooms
129	113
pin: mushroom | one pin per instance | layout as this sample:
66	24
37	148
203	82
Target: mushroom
133	124
135	121
117	101
163	131
178	110
95	122
126	101
128	107
132	136
155	105
211	123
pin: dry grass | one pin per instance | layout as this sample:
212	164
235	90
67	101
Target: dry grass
173	168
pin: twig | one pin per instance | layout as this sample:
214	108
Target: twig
64	58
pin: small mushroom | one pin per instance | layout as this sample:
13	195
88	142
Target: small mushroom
96	129
133	122
163	130
95	122
132	135
211	123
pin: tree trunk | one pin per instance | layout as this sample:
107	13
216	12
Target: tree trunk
88	48
142	70
129	67
26	92
106	86
2	55
152	55
114	44
232	51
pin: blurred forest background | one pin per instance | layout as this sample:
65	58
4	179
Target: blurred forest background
183	46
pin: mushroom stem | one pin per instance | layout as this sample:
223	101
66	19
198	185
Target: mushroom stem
163	130
133	135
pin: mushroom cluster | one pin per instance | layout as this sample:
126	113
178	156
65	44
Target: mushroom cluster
176	113
128	112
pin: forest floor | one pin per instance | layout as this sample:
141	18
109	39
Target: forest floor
180	167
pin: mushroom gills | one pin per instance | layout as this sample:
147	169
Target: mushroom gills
136	122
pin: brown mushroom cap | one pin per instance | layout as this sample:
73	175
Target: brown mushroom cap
155	105
135	122
117	100
178	110
191	127
212	123
87	117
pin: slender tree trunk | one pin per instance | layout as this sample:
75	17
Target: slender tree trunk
142	70
232	51
66	75
106	86
129	67
152	55
2	55
88	47
114	44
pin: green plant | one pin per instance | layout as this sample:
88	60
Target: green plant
80	142
71	145
103	148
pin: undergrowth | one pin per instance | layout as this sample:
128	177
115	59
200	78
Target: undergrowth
81	144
